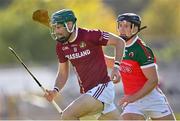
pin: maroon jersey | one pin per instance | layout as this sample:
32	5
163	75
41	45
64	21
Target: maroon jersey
86	55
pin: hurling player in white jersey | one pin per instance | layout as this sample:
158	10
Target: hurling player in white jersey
142	98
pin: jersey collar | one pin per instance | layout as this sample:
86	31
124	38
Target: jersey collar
135	39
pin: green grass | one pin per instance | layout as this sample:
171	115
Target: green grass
94	117
90	117
177	116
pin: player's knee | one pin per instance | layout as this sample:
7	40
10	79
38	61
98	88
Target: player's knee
68	116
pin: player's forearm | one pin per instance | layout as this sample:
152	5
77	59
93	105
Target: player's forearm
119	45
119	48
109	61
60	82
146	89
62	75
152	81
61	79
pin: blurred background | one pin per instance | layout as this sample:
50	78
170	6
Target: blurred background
20	96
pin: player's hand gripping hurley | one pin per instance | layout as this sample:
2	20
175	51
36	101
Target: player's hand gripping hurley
43	89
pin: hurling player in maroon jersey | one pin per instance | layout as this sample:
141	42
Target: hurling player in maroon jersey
83	49
142	97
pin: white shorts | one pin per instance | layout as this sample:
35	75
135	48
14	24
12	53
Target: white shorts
154	105
106	94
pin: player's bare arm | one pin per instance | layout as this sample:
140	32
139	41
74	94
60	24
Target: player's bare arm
61	79
151	83
119	45
62	75
109	61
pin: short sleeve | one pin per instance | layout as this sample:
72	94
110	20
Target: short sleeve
146	57
97	37
60	54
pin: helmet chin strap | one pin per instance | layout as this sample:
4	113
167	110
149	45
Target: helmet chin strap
124	37
134	34
63	39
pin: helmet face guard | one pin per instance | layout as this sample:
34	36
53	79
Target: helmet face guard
130	17
134	19
62	17
58	37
